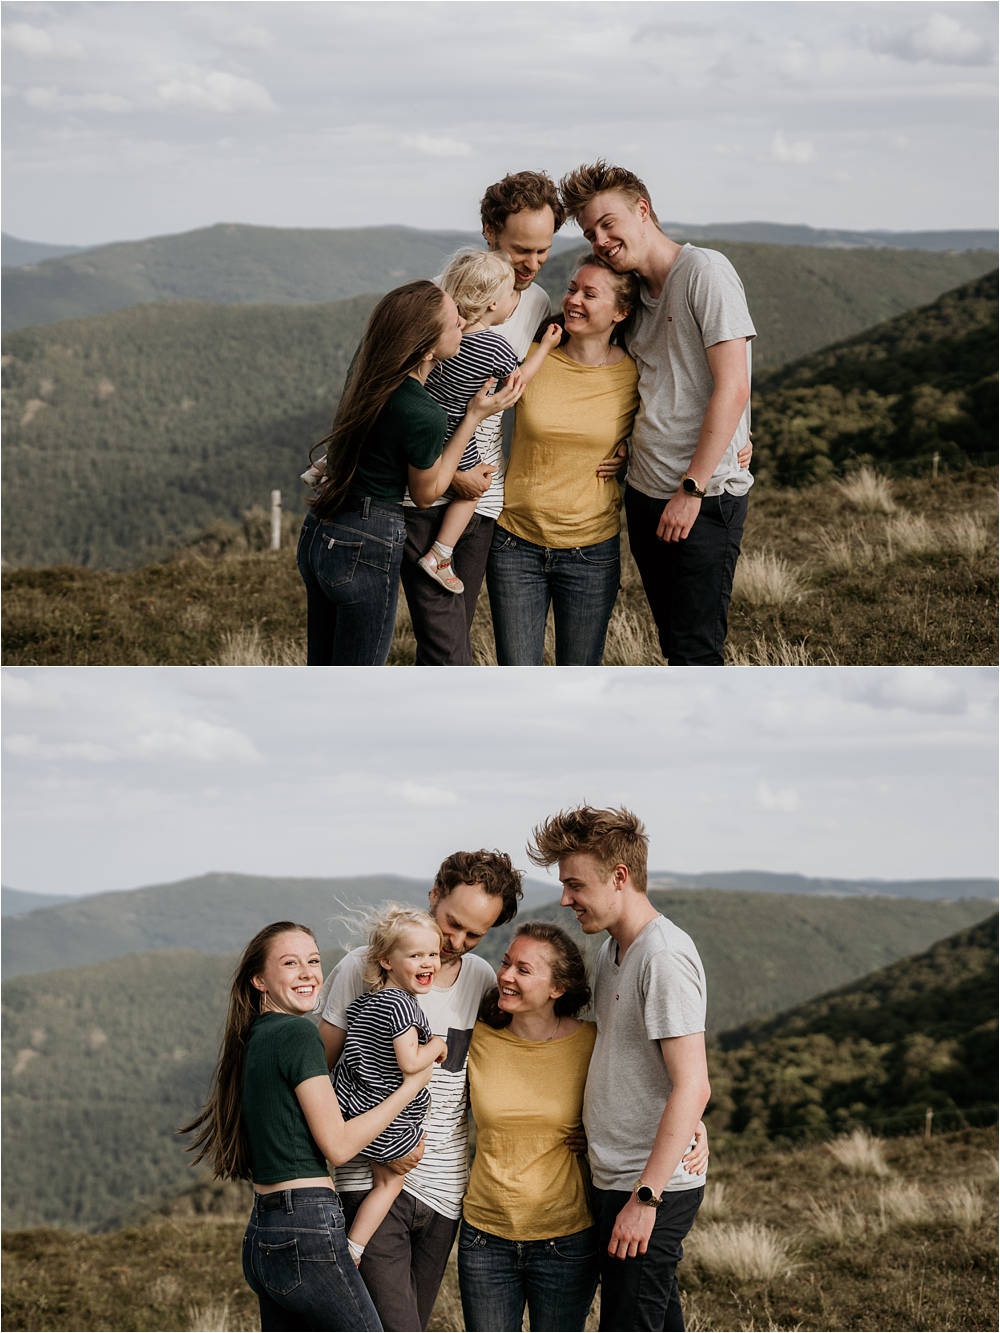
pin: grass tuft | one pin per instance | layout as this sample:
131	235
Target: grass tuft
715	1206
868	490
765	579
963	1205
969	535
859	1153
902	1204
748	1251
777	651
214	1319
247	647
836	1223
910	535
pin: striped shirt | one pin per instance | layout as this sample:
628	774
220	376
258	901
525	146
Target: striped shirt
367	1071
483	355
440	1178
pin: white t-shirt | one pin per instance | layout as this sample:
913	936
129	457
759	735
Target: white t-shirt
519	331
439	1180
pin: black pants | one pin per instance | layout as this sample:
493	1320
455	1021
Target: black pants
688	583
404	1261
641	1293
442	619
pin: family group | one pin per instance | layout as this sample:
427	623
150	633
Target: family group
481	437
590	1153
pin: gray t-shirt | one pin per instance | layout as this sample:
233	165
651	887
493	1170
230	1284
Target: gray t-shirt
702	303
657	991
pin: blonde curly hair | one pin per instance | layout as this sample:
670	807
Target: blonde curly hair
384	927
474	279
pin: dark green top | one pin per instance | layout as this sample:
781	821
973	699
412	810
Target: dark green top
283	1051
410	430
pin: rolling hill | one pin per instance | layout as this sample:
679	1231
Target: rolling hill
142	427
919	385
766	881
100	1063
918	1035
15	902
235	263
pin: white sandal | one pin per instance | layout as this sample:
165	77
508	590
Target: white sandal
442	572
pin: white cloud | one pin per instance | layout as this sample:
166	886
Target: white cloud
215	91
783	151
431	147
783	799
926	691
41	43
50	99
27	746
429	793
940	39
195	739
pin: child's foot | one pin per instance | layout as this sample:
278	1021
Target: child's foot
356	1251
437	563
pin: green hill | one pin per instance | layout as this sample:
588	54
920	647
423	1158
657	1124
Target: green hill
921	384
100	1063
916	1035
142	427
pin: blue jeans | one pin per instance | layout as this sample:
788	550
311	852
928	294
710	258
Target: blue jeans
295	1259
350	566
556	1278
581	582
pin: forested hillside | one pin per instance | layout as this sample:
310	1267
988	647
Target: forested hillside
921	384
101	1063
919	1034
141	428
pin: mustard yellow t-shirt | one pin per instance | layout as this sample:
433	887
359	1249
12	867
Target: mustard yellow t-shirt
568	419
526	1097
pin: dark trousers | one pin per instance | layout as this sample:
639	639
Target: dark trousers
641	1293
442	619
688	583
404	1261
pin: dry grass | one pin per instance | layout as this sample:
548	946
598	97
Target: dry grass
747	1251
765	579
963	1205
837	1221
848	552
860	1154
215	1319
903	1204
716	1205
910	535
777	651
868	490
248	648
970	536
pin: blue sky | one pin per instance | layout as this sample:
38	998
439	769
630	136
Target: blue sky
119	777
126	119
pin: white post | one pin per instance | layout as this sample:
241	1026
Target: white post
275	520
935	460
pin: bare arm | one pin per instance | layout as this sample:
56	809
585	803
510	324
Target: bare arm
338	1139
533	363
333	1041
428	484
728	364
412	1057
685	1060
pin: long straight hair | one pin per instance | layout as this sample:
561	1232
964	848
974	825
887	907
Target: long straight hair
219	1132
401	330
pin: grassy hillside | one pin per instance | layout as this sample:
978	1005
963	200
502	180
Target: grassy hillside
881	1051
921	384
142	427
822	580
764	952
15	902
766	881
912	1249
100	1063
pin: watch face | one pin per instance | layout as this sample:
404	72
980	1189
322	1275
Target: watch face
644	1194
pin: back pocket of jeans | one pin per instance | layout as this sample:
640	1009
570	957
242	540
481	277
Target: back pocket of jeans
278	1266
335	562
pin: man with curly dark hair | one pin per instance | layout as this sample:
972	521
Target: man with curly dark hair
404	1262
520	216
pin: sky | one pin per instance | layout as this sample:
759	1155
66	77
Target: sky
122	777
125	120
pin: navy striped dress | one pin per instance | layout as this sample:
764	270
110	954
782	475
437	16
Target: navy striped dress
483	355
367	1071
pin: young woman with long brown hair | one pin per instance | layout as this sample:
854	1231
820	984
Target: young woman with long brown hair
388	435
272	1117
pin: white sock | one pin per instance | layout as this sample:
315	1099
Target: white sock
443	553
356	1250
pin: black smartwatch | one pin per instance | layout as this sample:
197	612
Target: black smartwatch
645	1195
690	487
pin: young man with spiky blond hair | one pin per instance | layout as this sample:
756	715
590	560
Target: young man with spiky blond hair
686	498
648	1081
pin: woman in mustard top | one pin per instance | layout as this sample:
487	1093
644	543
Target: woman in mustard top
557	540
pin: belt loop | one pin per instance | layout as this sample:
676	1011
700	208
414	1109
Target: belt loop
289	1206
365	505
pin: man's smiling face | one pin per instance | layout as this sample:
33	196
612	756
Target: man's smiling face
527	238
617	229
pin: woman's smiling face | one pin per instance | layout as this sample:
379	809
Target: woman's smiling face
591	303
292	974
525	977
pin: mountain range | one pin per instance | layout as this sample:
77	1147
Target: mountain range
101	1063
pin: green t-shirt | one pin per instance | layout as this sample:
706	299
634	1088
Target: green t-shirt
409	431
283	1051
